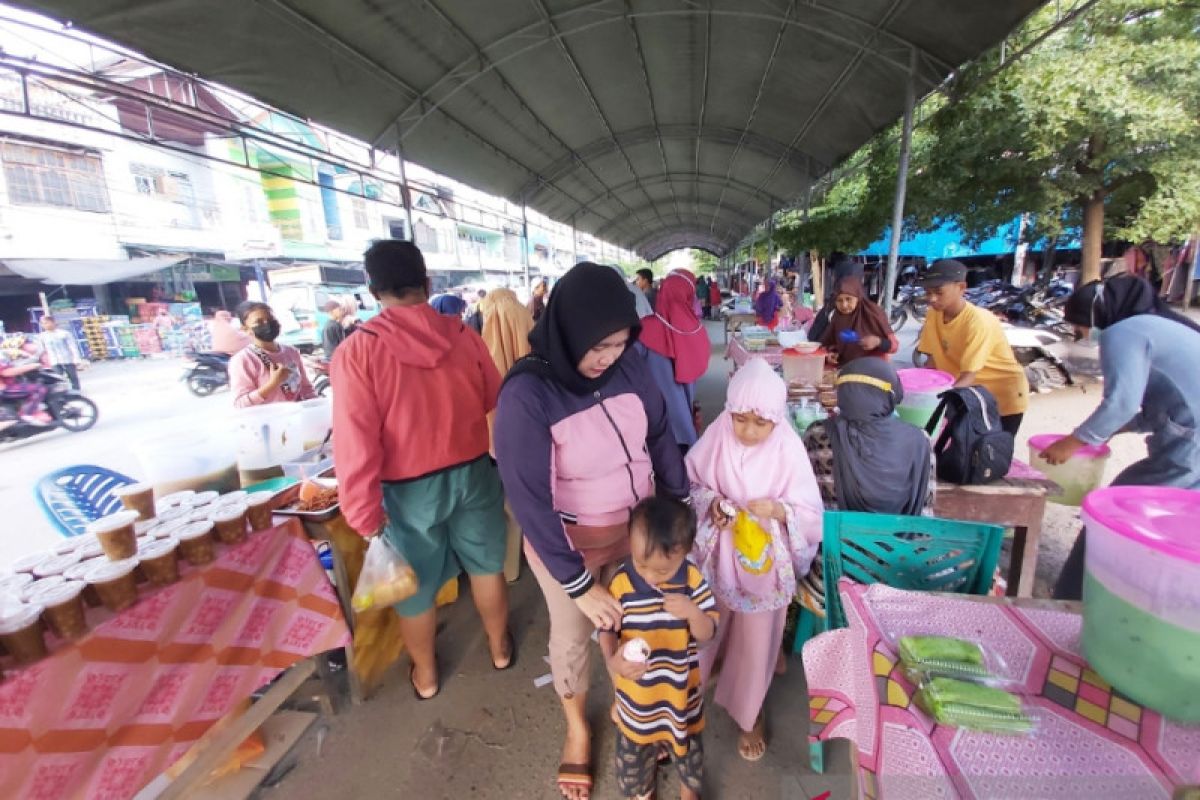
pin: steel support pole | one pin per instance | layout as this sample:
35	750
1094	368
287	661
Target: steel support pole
770	240
889	286
405	196
574	245
525	245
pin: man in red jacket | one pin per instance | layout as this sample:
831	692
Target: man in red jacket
411	396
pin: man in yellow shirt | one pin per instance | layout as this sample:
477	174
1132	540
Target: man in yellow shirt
968	342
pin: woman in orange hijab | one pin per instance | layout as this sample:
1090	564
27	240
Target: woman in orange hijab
506	326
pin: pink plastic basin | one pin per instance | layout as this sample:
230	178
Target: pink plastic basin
925	381
1159	517
1044	440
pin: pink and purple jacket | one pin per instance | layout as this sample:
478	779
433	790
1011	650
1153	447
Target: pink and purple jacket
583	459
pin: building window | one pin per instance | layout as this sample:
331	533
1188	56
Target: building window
359	206
43	176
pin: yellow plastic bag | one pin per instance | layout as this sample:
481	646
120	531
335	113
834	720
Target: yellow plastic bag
386	578
752	544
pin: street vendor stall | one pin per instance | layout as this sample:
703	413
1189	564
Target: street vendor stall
1084	738
121	695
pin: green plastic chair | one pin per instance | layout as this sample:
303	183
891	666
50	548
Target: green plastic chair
917	553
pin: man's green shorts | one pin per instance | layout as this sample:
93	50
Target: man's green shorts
444	523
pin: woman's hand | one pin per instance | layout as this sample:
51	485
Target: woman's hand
279	374
870	342
601	608
768	509
718	517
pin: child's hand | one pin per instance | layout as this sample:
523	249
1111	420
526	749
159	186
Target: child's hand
680	605
618	667
768	509
719	518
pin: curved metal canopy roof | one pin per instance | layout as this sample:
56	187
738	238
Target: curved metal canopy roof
655	124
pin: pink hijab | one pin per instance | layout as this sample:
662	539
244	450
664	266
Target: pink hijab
777	469
675	331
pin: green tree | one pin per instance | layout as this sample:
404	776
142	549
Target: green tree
1096	128
703	262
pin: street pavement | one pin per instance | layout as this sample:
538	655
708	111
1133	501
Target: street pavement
138	400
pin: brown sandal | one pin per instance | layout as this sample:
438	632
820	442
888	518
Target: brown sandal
575	776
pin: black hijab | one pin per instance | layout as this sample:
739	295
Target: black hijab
1102	304
880	463
588	304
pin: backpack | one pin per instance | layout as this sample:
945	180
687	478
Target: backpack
972	448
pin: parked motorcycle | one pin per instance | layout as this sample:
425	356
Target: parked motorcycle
1041	353
208	372
318	371
68	409
910	301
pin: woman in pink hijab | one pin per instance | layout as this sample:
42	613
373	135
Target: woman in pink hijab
750	468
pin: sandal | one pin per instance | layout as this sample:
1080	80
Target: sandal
575	776
412	668
512	653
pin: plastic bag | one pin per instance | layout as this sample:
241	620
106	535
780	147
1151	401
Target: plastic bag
386	578
752	544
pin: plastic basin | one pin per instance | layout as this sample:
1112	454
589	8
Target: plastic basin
921	390
1141	595
1080	474
805	368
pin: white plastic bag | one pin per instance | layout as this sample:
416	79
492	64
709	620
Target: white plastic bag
386	578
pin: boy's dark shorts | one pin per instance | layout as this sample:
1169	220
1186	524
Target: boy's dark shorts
637	765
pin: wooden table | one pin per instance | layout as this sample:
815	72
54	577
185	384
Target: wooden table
1019	503
735	320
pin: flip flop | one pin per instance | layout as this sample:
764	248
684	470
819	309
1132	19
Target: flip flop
412	668
512	653
575	776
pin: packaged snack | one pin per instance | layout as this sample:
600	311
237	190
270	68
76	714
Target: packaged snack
229	523
636	651
63	609
963	704
259	507
752	544
196	543
137	497
21	632
115	583
115	534
160	561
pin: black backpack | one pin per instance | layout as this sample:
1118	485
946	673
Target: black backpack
972	447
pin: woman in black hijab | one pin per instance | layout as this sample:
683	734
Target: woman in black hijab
582	436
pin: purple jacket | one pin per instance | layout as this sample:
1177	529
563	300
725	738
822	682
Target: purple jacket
587	459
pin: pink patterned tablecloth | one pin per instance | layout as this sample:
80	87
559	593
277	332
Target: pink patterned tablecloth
736	352
101	717
1090	741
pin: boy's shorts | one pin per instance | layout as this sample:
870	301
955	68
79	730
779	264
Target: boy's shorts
637	766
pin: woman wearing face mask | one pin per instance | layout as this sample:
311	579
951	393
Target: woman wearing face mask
266	371
581	436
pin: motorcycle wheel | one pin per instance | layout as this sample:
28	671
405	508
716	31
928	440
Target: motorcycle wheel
201	386
898	318
74	413
919	311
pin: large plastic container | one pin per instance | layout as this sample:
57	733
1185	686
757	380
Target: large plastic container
1141	595
921	390
197	460
316	420
267	438
805	368
1080	474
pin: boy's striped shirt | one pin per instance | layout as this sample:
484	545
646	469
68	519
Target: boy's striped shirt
666	704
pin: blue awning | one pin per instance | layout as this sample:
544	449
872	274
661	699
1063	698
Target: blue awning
948	242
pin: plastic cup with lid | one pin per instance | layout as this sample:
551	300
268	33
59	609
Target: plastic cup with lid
259	508
55	565
160	561
76	572
116	535
115	583
63	609
40	585
21	632
196	542
138	497
229	523
26	563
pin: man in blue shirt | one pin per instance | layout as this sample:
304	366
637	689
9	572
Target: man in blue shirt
1150	357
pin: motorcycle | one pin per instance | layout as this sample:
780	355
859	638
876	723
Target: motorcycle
209	372
910	301
318	372
1039	351
67	408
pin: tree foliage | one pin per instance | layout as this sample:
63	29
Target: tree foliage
1102	114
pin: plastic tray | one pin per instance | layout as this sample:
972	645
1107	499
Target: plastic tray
324	515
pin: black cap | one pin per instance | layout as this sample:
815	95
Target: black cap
945	271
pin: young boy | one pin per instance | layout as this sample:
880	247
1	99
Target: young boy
968	342
669	607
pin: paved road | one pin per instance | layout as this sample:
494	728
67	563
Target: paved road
137	400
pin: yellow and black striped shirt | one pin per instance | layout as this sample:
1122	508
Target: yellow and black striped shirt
667	703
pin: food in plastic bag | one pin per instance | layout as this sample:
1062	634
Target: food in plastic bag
386	578
970	705
916	651
752	544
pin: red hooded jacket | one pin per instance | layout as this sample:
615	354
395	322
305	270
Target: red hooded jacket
411	393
